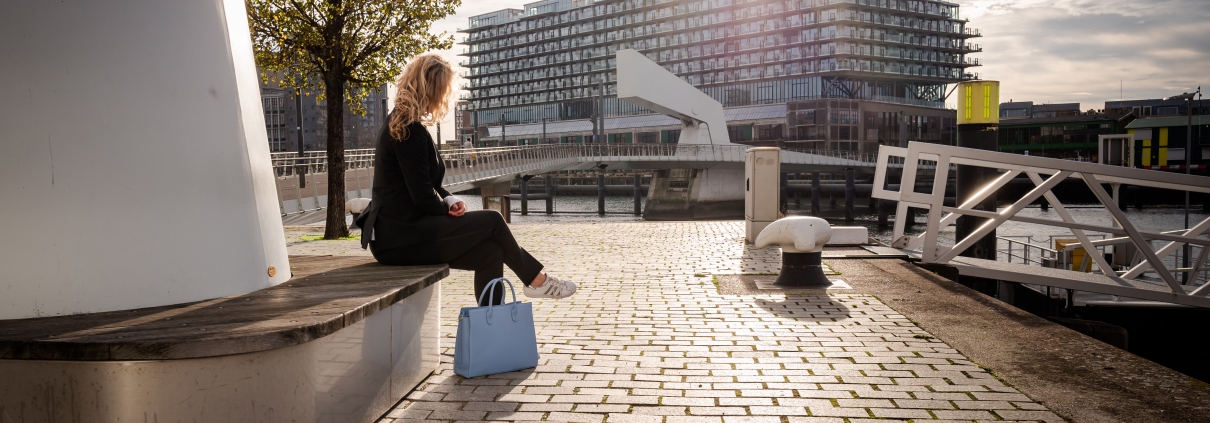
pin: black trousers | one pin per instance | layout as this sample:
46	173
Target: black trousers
483	244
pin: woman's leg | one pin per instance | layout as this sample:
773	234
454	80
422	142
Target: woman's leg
483	244
516	258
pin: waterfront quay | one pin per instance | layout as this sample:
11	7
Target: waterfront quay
661	332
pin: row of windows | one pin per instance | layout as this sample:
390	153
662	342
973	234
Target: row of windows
767	56
1082	133
584	87
565	22
690	46
738	94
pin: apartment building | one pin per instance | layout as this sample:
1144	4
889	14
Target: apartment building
811	74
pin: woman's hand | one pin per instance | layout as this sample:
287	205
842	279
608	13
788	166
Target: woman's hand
458	209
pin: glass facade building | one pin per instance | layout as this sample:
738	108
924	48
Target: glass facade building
842	70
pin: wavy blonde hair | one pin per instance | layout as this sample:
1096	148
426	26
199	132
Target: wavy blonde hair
423	93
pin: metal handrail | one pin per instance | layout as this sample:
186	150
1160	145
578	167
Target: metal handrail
1045	173
316	161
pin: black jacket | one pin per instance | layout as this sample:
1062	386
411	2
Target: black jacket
407	205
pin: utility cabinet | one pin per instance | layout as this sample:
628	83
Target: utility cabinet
762	167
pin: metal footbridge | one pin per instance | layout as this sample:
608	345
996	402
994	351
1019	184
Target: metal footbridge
474	167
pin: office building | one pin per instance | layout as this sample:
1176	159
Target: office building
1070	135
1027	109
1163	143
281	120
812	74
1157	107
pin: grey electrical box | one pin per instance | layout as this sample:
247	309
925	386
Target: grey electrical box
762	189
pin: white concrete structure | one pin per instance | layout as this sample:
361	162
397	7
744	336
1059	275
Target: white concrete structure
134	167
647	84
849	235
796	234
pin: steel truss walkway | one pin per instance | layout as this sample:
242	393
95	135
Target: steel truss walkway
1149	277
473	167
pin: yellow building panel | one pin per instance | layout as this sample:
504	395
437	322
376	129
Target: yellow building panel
1146	153
979	102
1163	159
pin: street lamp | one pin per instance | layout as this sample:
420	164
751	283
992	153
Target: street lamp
1188	97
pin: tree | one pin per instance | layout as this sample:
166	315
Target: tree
342	49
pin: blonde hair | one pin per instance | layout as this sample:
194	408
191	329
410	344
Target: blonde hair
423	93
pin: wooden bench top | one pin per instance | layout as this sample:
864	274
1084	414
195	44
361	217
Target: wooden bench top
325	294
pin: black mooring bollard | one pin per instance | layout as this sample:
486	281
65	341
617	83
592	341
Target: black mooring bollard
882	214
802	270
815	192
524	196
601	194
783	193
638	194
798	194
550	194
850	194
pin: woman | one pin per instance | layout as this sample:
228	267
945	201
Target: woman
412	220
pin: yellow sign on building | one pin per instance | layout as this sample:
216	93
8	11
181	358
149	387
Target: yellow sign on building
978	102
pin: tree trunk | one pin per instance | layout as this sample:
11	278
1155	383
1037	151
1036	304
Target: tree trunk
334	90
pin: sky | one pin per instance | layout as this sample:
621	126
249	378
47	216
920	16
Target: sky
1048	51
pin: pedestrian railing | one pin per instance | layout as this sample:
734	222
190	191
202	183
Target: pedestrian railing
469	167
1150	276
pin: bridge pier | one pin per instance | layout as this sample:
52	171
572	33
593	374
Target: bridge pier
696	194
495	197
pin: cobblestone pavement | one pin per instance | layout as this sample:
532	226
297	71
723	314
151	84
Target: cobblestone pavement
649	339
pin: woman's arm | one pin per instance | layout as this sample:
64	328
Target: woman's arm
414	161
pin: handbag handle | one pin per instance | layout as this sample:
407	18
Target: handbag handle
492	285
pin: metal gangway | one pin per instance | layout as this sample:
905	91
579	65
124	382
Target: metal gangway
468	168
1149	277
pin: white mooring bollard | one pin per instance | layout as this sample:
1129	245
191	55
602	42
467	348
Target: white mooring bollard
802	240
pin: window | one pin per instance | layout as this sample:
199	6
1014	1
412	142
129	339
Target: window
770	132
802	117
739	132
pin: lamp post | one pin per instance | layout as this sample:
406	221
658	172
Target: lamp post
1188	97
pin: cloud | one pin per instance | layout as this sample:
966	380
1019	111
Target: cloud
1092	51
1140	8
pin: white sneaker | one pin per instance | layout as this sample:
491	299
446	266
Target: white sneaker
553	288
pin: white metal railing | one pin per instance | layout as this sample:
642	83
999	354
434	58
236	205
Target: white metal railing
467	167
290	163
1150	277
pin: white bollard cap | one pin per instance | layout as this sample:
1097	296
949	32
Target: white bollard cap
357	205
796	234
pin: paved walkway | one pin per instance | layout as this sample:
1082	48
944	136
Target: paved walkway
649	339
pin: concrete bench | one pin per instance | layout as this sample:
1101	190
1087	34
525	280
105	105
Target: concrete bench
342	341
802	240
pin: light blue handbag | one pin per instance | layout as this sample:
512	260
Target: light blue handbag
495	339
